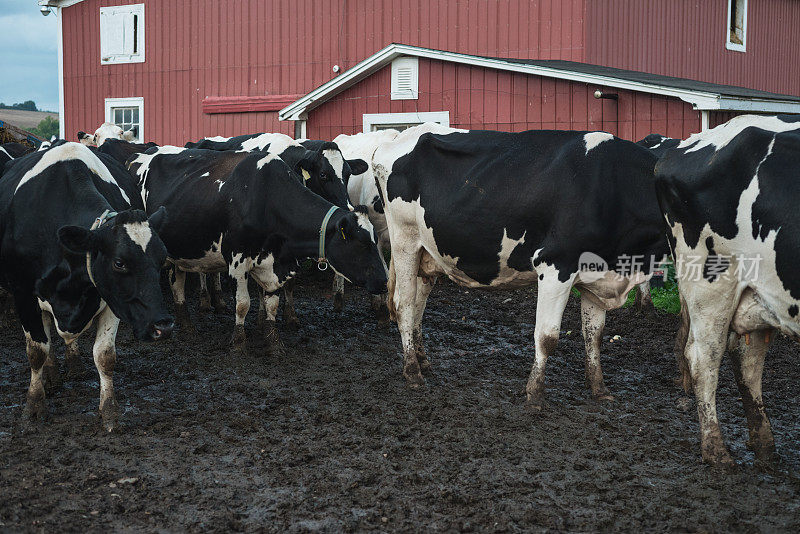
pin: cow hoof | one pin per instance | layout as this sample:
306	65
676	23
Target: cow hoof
205	304
109	415
238	341
35	410
51	379
276	349
719	458
535	403
338	302
413	376
424	365
220	307
604	396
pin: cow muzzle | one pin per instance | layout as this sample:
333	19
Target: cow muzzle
161	329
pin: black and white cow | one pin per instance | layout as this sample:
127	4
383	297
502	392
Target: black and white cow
250	215
12	151
503	210
63	270
363	190
730	196
324	169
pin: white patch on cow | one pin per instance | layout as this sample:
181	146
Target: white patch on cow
6	153
506	274
364	222
592	139
144	160
44	146
725	133
336	161
139	233
69	152
277	143
218	139
219	183
266	159
263	272
207	173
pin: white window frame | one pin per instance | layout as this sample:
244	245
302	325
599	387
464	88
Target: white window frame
130	102
403	119
728	43
138	57
411	62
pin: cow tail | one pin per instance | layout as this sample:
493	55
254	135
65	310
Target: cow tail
390	285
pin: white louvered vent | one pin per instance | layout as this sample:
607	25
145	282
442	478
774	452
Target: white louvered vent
405	78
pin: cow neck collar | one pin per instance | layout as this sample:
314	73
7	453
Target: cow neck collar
322	262
105	216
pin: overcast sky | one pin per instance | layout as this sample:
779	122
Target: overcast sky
28	54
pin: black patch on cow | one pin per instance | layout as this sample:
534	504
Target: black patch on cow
715	264
793	310
377	205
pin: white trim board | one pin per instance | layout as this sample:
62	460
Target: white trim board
373	119
700	100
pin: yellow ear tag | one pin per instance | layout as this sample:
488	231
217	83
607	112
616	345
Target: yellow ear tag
342	231
306	175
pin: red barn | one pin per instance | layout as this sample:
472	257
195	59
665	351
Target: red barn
178	70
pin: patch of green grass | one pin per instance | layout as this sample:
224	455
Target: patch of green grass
666	298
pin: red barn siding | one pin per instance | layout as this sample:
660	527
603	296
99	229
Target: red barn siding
686	38
200	48
481	98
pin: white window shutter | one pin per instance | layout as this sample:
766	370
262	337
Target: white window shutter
127	32
405	78
111	36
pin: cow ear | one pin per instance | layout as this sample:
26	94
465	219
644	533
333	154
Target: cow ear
306	163
76	239
357	166
346	224
158	219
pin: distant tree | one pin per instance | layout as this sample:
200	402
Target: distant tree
28	105
47	128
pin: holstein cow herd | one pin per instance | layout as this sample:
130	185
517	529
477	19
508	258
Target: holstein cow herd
87	227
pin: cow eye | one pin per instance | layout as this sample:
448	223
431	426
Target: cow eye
323	176
120	266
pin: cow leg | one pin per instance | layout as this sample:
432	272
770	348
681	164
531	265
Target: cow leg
593	319
748	368
178	284
643	301
37	325
289	315
378	302
270	303
685	378
551	299
704	349
424	288
239	338
406	266
72	360
338	292
105	357
51	378
205	296
217	299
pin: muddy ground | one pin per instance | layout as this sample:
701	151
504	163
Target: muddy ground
328	438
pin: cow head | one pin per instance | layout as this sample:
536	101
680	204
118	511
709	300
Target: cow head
351	250
326	172
125	256
86	139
